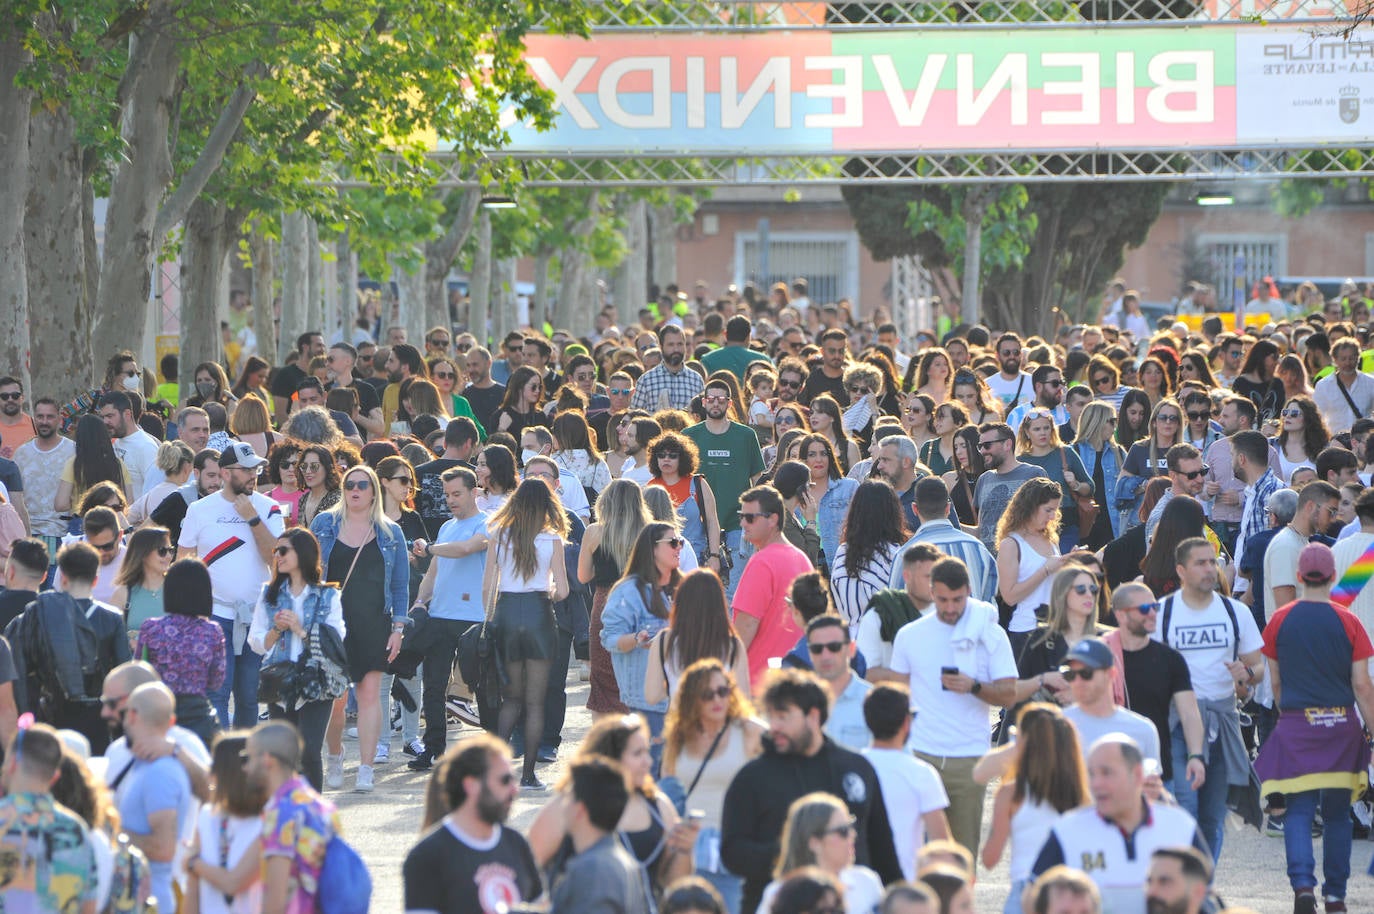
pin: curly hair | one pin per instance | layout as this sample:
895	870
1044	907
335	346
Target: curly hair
277	456
326	458
1315	436
684	714
1033	494
672	442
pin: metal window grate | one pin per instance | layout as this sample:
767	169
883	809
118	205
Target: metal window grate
1235	265
828	262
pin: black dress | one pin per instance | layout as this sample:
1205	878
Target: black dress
413	528
364	607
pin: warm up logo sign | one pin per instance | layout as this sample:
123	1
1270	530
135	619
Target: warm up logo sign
829	93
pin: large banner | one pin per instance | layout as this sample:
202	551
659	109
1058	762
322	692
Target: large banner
1038	88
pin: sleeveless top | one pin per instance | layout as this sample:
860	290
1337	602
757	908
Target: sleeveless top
1023	617
709	794
647	845
605	572
144	604
223	842
1030	827
962	498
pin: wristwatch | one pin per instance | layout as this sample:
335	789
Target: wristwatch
429	550
254	521
977	687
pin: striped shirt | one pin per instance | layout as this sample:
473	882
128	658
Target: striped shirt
982	568
1254	517
851	594
659	389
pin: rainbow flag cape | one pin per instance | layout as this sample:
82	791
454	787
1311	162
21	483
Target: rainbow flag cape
1354	579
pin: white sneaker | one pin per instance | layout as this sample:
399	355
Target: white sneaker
364	783
351	733
333	771
383	754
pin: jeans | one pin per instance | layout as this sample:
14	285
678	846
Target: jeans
1068	533
240	680
1013	903
1208	805
1337	829
1226	531
655	719
734	539
438	666
310	719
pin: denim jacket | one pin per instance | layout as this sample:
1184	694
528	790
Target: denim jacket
830	514
391	541
1111	471
627	612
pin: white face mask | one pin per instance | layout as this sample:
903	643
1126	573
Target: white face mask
527	455
133	382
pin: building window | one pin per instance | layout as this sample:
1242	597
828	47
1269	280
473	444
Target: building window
1235	263
829	261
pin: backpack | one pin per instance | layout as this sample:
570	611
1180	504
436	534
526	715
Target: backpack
345	886
1166	613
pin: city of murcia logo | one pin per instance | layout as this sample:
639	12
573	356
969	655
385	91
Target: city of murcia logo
1350	104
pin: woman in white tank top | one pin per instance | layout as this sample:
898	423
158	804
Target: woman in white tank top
1044	776
1028	554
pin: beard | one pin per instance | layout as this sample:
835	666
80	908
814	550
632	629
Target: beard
10	408
1160	906
674	358
491	809
717	413
1011	366
247	488
116	728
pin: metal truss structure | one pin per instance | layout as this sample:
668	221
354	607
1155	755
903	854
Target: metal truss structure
795	15
1010	167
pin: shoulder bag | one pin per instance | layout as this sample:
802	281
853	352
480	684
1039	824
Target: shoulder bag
479	662
672	785
1087	508
1354	410
727	561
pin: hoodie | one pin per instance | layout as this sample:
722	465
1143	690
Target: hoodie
758	798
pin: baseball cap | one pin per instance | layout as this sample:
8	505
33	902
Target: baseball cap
1316	564
1092	653
240	454
791	478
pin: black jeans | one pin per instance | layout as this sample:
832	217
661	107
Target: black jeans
438	667
310	719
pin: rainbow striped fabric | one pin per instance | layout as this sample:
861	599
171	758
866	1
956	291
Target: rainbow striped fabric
1354	579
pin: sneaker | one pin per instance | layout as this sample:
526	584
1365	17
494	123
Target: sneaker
422	762
584	671
364	782
415	748
1304	901
547	754
383	754
333	771
351	733
1273	826
1334	905
465	711
532	784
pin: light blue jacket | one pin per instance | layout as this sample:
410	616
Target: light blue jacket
392	543
1111	470
830	515
626	613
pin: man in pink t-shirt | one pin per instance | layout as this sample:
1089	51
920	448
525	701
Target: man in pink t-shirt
760	604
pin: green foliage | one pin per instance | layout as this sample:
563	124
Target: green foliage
1007	227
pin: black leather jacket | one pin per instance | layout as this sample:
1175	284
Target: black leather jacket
63	651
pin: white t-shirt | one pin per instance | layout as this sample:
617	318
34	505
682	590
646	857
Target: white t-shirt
863	891
139	453
949	723
911	788
224	542
1205	638
1091	729
639	473
1281	565
105	574
511	581
1005	390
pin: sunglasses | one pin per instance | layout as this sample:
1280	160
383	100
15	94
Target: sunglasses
1146	609
750	516
669	455
818	648
1198	417
844	831
1196	473
360	484
989	445
1291	414
621	391
1011	355
410	483
111	546
1055	383
1169	417
166	551
719	692
12	396
786	383
445	375
282	550
787	419
1082	589
1086	674
861	391
714	399
675	542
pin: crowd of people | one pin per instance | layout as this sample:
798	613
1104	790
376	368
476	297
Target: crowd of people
828	594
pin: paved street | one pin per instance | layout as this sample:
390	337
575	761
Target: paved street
384	825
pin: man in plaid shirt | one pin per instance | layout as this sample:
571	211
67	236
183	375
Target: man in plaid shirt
670	384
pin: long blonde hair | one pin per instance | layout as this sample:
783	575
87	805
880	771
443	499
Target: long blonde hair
623	514
807	817
1095	425
340	508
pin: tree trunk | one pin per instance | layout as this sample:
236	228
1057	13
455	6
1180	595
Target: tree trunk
632	276
205	248
479	282
59	289
974	209
315	316
137	188
505	308
410	286
14	162
295	238
570	288
663	231
263	253
347	275
591	301
440	254
539	304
